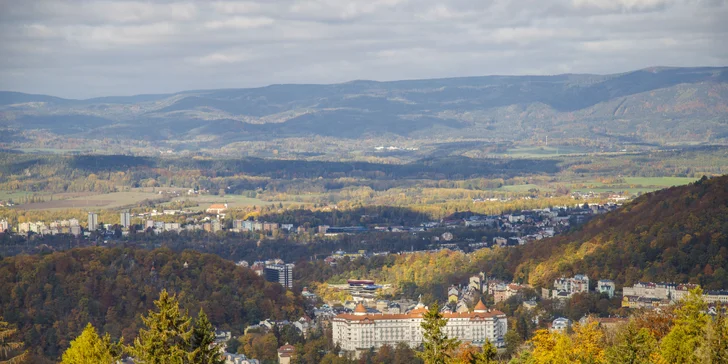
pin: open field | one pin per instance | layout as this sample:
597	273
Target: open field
233	201
105	201
659	181
522	188
541	152
16	195
635	185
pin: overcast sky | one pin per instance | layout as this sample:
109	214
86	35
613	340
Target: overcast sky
87	48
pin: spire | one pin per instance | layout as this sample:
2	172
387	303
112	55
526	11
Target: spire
480	307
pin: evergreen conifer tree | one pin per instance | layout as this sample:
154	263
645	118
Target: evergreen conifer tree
437	346
487	355
202	342
167	337
633	345
90	348
9	348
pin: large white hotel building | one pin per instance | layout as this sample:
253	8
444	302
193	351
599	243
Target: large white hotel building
361	331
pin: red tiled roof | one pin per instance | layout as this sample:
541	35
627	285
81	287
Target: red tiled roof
412	314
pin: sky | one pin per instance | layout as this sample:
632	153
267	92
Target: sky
90	48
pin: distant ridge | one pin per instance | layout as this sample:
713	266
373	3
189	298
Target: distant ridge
656	104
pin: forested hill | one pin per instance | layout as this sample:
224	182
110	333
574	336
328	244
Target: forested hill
51	298
653	105
678	234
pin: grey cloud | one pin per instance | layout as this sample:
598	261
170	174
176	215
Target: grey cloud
85	48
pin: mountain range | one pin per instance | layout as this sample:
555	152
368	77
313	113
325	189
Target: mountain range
655	105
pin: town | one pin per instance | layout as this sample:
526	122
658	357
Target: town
365	319
515	228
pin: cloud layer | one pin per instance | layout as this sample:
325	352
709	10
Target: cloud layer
86	48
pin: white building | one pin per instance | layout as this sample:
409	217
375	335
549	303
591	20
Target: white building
606	286
4	226
560	324
125	219
716	297
172	226
93	221
664	291
565	287
361	330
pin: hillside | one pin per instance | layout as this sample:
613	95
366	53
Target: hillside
678	234
52	297
654	105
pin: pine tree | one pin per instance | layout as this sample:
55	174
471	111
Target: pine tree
8	347
487	355
166	341
202	343
90	348
633	345
437	346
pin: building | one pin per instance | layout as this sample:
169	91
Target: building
359	331
4	226
560	324
453	294
606	286
238	359
716	297
216	226
93	221
270	226
258	268
530	304
125	219
285	353
660	291
281	273
644	302
498	241
217	208
476	282
75	230
172	226
565	287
